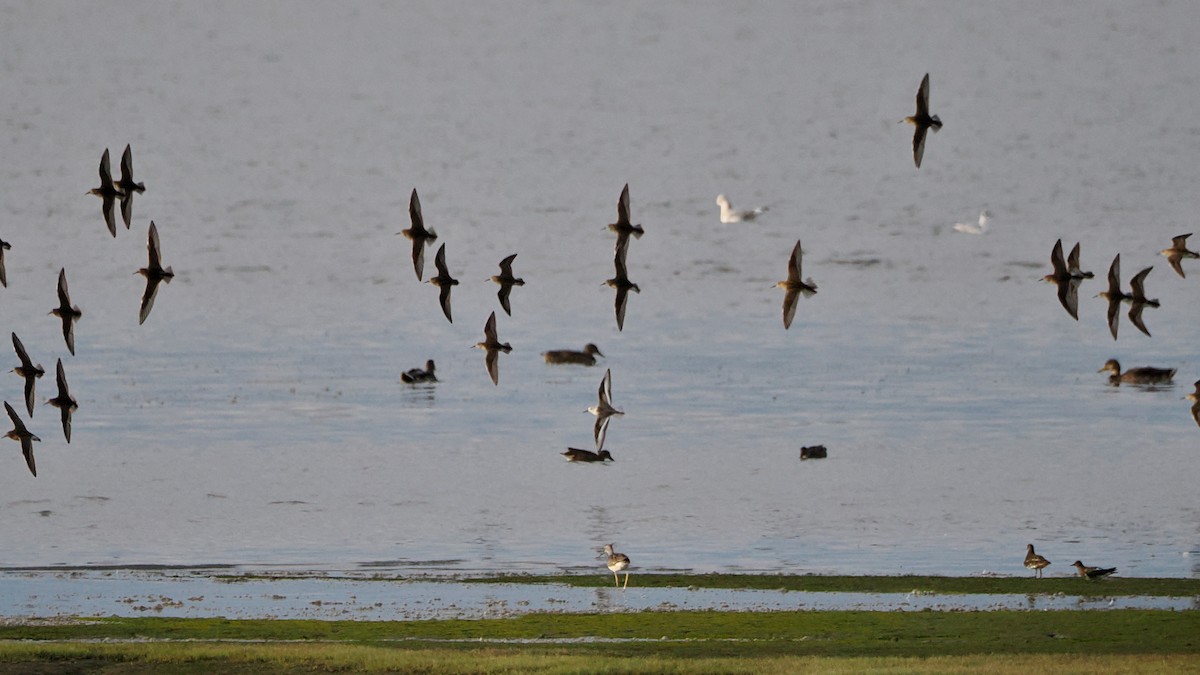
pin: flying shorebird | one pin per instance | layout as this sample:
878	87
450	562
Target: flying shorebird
577	455
1092	572
107	192
1068	284
603	409
974	228
1035	562
922	120
1115	296
418	234
20	433
1143	375
621	281
728	215
616	563
154	273
66	311
1178	252
492	346
28	371
794	286
623	227
1138	300
413	375
4	246
443	281
506	281
587	357
1194	397
64	401
128	186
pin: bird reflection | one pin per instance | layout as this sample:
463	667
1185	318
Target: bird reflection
492	346
621	281
922	120
794	286
28	371
20	433
107	192
154	273
67	312
418	234
506	281
1178	252
64	401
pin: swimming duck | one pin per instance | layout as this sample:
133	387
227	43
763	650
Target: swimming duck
20	433
794	286
1178	252
1035	562
922	120
64	401
814	452
418	234
492	346
506	281
1144	375
413	375
66	311
728	215
154	273
28	371
587	357
577	455
1092	572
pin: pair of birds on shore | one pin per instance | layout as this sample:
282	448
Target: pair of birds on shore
422	236
109	191
1037	563
63	401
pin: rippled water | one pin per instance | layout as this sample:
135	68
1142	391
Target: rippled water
258	416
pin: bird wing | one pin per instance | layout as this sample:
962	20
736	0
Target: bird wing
1137	284
923	98
1114	276
105	171
21	353
153	247
1113	320
1056	260
506	265
493	365
414	212
148	299
919	143
623	206
790	302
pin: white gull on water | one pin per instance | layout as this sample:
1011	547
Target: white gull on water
728	215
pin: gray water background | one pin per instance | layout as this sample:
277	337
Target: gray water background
257	416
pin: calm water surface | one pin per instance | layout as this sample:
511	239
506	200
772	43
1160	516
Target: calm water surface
258	417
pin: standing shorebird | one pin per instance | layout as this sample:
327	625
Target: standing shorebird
443	281
154	273
616	563
20	433
66	311
1035	562
1178	252
413	375
922	120
4	246
794	286
587	357
418	234
128	186
1092	572
107	192
623	227
506	281
728	215
28	371
64	401
603	409
492	346
1143	375
621	281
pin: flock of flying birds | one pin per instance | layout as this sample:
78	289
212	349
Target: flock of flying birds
109	191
